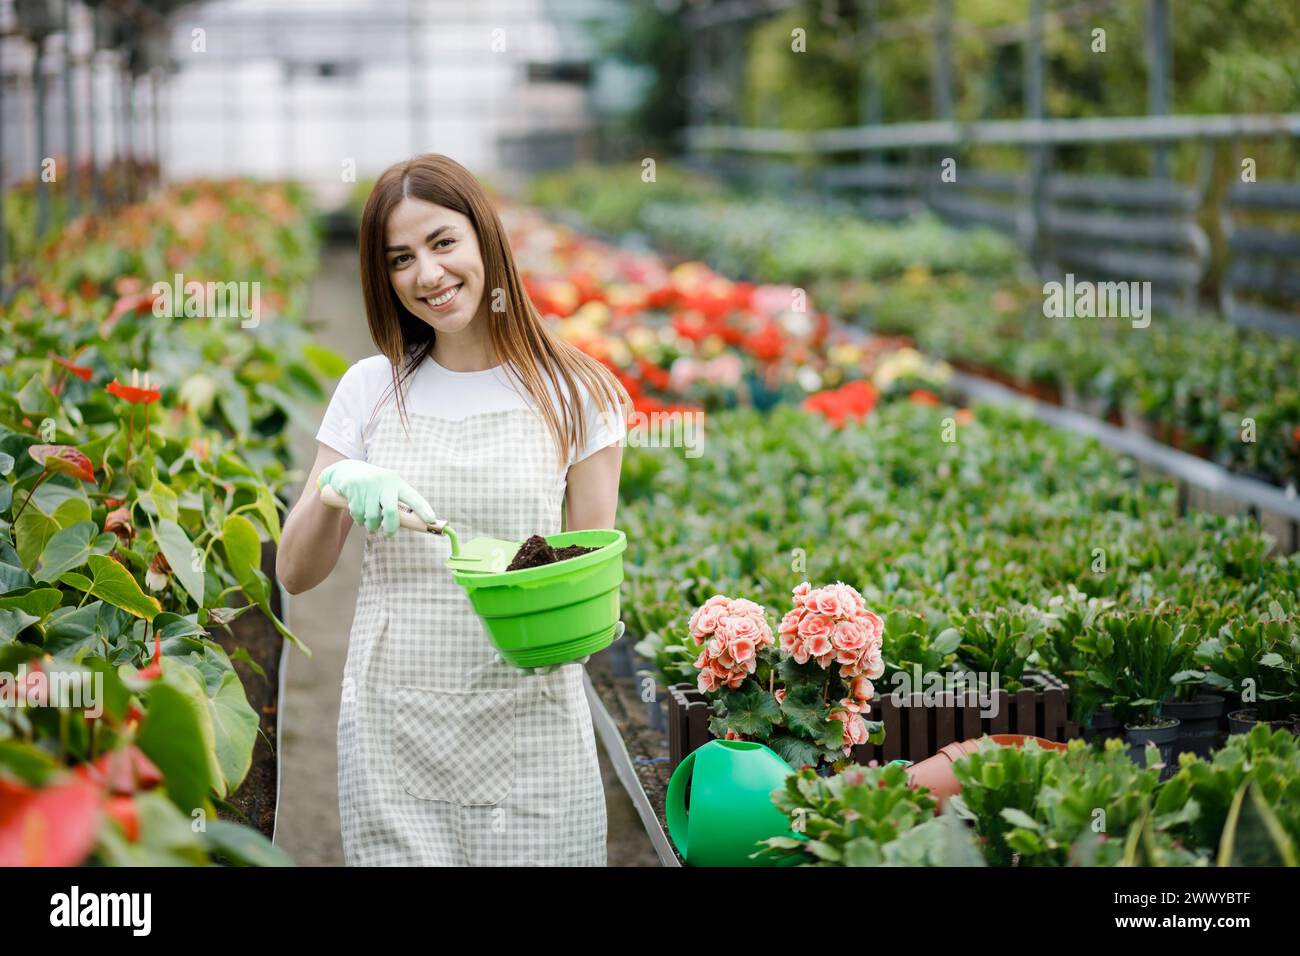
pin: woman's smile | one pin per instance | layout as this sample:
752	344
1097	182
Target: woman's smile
442	301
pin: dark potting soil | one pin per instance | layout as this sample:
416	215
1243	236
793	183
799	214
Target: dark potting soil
535	553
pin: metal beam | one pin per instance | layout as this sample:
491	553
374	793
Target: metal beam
1124	129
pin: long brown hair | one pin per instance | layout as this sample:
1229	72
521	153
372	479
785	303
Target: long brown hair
517	335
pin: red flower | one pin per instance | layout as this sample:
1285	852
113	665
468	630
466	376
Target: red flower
923	396
133	394
653	374
768	344
81	371
854	400
53	826
154	670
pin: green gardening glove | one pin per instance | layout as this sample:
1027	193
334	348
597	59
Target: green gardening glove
373	493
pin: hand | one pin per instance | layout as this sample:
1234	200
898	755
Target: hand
373	493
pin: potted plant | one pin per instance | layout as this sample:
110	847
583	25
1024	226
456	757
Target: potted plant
806	699
1259	661
1137	658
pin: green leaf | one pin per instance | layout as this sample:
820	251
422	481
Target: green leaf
178	550
243	548
163	500
948	640
270	514
751	712
1018	818
13	622
234	723
795	751
177	735
112	583
71	630
13	574
241	846
39	601
70	548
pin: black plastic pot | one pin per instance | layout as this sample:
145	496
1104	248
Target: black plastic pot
1244	721
1199	723
1163	736
1103	725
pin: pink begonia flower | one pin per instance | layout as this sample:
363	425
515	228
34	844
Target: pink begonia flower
801	592
742	651
827	601
855	729
862	689
821	646
849	636
708	682
814	625
790	623
779	694
850	600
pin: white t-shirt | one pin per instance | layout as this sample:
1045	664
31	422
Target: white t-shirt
439	392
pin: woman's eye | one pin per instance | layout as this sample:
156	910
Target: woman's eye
397	260
441	241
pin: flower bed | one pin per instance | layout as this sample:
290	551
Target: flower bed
1193	382
134	509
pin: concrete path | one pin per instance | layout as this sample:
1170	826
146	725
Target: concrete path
308	820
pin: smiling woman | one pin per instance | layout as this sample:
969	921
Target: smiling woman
447	754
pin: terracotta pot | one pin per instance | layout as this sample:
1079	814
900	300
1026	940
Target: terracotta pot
935	773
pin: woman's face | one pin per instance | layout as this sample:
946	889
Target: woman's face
434	262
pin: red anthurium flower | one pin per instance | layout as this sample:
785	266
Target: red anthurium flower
154	670
132	304
81	371
53	826
123	810
63	460
133	394
123	771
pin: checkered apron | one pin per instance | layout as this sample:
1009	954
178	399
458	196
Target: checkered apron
447	756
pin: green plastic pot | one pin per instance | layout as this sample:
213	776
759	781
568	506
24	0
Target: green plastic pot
730	809
556	613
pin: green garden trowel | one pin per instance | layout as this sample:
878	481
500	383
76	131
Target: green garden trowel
480	556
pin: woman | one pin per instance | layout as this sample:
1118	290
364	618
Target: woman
447	755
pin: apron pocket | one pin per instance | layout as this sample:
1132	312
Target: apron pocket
455	747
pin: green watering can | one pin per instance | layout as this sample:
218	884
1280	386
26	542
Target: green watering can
535	617
730	806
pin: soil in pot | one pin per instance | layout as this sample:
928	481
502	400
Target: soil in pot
1199	723
1244	721
1163	734
535	553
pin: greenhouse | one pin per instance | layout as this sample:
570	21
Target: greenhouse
760	434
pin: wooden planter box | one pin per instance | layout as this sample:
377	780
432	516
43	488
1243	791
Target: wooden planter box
913	733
